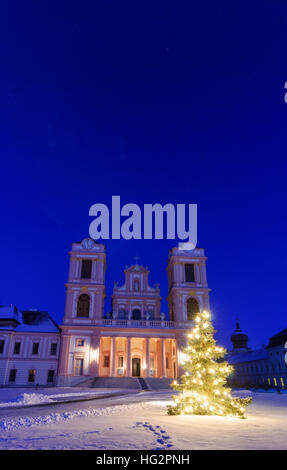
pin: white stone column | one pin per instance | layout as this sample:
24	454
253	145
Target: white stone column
174	345
113	356
95	356
163	363
128	358
64	354
78	268
203	273
181	342
94	266
197	276
147	355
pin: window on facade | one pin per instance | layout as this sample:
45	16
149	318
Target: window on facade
172	316
151	314
80	342
136	285
2	342
121	361
50	377
17	347
32	375
35	349
106	361
166	362
192	308
83	307
12	375
189	273
275	381
86	271
53	350
79	367
122	314
136	314
152	362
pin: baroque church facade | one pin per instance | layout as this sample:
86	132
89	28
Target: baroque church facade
135	340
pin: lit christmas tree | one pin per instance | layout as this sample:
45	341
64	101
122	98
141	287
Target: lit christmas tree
203	386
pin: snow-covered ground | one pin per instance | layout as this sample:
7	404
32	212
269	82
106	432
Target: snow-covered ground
139	421
10	397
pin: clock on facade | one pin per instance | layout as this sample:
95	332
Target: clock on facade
88	243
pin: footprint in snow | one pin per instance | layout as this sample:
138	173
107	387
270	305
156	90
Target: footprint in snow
163	438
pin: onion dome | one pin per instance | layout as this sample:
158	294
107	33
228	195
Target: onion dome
239	339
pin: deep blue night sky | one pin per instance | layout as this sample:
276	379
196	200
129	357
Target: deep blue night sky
179	102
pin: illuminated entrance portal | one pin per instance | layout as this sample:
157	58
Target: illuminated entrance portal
136	367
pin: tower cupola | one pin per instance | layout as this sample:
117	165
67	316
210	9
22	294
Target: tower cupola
239	339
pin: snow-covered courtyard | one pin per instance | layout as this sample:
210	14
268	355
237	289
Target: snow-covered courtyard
140	421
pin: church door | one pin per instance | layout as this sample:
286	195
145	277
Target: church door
136	367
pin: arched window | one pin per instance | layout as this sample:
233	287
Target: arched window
192	308
136	314
83	307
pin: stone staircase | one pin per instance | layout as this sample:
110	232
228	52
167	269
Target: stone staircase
159	383
144	386
85	383
138	383
115	382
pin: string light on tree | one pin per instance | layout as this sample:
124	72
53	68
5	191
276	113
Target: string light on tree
203	388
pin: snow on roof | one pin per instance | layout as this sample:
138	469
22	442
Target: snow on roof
27	320
8	312
281	333
279	339
248	356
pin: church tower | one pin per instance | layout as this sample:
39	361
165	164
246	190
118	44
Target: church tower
86	284
85	295
188	292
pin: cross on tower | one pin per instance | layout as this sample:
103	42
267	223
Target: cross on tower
136	258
